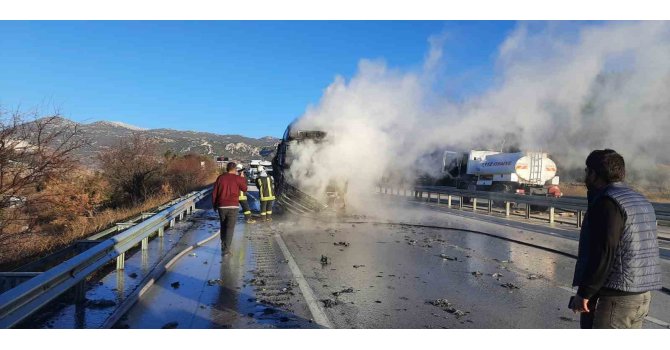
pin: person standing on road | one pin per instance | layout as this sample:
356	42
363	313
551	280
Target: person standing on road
246	210
618	259
265	185
225	199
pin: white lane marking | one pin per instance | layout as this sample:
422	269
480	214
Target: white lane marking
313	305
657	321
571	290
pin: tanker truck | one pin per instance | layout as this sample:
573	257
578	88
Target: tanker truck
529	173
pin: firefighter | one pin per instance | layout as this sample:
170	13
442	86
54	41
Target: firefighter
265	186
243	198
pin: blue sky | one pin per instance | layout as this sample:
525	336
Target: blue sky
228	77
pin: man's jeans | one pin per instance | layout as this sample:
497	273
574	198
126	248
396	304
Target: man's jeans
617	311
228	219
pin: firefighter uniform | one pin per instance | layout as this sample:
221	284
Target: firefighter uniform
246	210
265	186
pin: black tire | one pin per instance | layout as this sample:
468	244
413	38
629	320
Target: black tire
464	186
500	188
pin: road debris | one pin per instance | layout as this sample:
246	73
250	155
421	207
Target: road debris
503	261
443	303
447	257
346	290
411	242
563	318
497	275
175	285
534	276
257	282
192	254
476	273
324	260
292	284
509	286
213	282
344	244
358	266
460	313
328	303
133	275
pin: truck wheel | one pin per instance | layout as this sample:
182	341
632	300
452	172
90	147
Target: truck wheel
464	186
500	188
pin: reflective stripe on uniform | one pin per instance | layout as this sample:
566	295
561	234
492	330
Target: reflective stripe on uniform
243	197
262	213
267	185
269	212
247	213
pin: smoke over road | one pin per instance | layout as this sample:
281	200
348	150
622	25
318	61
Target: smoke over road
565	89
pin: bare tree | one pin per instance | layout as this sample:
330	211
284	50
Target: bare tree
32	153
133	169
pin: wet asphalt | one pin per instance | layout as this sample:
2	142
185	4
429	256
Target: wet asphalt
250	288
367	275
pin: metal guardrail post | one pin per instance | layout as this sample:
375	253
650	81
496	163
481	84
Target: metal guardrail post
121	261
527	211
172	222
80	292
490	208
428	200
120	284
551	215
438	198
474	204
449	201
579	218
161	231
460	202
145	243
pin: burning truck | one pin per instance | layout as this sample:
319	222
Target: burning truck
297	194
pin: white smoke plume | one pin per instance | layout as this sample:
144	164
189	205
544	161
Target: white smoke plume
561	88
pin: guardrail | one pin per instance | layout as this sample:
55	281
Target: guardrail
577	205
81	245
24	299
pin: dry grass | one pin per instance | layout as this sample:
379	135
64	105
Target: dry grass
32	246
654	195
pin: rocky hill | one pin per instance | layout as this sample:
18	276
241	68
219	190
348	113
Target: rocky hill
104	134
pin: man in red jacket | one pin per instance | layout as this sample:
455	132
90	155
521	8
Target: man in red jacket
225	199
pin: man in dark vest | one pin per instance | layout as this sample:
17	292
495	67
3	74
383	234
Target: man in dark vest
225	199
618	259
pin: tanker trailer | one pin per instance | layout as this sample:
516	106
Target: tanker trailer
529	173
